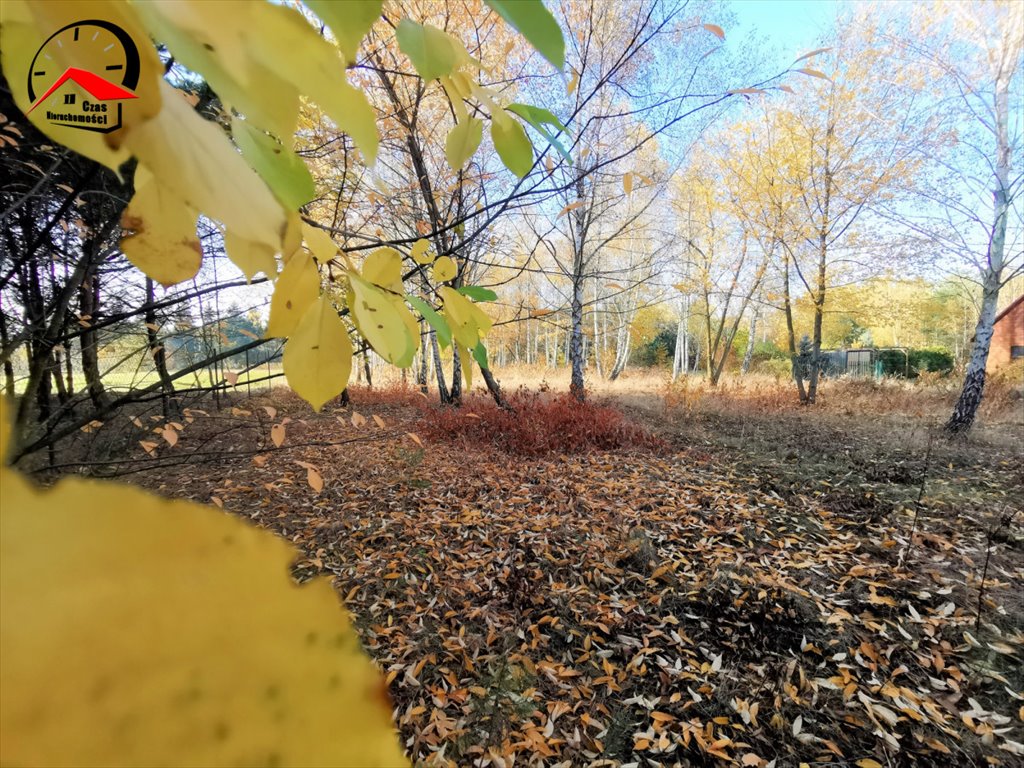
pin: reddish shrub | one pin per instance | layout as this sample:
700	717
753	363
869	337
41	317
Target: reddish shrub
538	425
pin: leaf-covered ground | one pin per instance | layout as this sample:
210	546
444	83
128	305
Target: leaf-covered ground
757	600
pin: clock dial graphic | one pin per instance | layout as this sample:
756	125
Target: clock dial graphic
87	94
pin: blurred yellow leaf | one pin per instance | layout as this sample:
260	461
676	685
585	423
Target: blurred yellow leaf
211	37
163	241
319	243
194	158
349	21
249	256
142	631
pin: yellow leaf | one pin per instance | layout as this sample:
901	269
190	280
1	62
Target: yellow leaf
627	183
313	478
168	434
249	256
573	82
358	420
231	377
289	46
467	321
349	21
277	435
444	270
419	252
867	762
195	159
463	141
319	243
211	38
33	33
383	268
163	243
716	30
815	52
814	73
297	287
379	421
415	438
148	447
142	631
383	322
571	207
318	355
466	364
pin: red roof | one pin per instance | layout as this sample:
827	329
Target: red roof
98	87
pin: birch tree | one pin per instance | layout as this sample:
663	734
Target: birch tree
971	206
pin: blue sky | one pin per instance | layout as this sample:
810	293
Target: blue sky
793	27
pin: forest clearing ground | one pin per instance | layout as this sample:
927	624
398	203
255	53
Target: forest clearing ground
749	591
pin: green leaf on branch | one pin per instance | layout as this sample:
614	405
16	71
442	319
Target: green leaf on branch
480	355
284	171
463	141
534	22
349	21
438	323
476	293
513	145
538	118
433	52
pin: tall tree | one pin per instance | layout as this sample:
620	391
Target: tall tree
970	53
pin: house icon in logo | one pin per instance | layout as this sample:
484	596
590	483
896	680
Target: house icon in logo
79	96
94	115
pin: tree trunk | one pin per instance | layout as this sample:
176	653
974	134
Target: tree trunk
442	385
421	374
88	303
748	355
966	408
819	312
8	365
156	349
576	385
455	394
367	371
495	389
622	350
794	358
